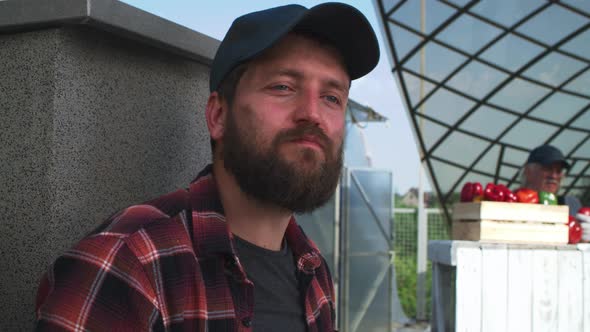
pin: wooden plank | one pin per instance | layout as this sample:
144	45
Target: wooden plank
570	299
445	251
545	290
468	290
510	232
494	288
520	295
443	311
511	212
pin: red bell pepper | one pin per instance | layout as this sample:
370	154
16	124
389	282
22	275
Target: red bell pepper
526	195
509	196
583	214
575	230
584	210
493	193
471	192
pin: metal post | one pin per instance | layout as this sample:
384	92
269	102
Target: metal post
422	218
343	268
336	252
421	259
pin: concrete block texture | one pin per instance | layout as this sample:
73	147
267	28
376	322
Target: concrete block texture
89	123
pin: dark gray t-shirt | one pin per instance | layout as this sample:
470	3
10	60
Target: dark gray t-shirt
278	306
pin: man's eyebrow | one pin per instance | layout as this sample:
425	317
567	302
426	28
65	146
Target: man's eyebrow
344	87
333	83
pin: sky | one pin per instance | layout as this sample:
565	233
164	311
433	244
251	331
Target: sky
391	145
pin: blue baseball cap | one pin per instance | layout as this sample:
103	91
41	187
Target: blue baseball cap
546	155
343	26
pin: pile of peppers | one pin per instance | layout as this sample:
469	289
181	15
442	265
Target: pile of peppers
475	192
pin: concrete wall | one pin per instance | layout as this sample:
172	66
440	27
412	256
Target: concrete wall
89	123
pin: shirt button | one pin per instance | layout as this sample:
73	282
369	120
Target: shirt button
247	321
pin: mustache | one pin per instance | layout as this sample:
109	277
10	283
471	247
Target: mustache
305	131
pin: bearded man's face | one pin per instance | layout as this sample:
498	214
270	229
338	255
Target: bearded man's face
283	134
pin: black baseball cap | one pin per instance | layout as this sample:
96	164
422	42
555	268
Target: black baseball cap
343	26
546	155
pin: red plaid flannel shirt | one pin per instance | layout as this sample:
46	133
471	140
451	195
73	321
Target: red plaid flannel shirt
170	265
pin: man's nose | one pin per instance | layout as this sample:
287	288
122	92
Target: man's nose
308	108
554	172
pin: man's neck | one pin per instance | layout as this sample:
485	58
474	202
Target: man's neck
256	222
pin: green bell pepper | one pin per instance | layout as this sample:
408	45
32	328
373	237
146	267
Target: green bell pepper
547	198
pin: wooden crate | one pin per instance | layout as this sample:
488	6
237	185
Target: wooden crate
510	222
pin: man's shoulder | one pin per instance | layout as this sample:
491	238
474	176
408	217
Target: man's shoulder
165	211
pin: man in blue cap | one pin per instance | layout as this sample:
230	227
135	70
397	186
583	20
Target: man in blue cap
544	170
226	254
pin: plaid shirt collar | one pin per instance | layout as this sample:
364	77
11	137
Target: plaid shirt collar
209	226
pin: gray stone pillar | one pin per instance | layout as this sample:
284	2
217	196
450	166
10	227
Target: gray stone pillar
101	106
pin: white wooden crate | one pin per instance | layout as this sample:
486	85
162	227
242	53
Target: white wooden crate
510	222
510	287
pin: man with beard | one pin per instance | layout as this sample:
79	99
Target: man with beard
226	254
543	171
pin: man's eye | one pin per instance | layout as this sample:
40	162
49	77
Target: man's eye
332	99
280	87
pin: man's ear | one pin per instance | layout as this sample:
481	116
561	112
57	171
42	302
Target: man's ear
216	114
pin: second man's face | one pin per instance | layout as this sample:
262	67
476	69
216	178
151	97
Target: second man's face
545	177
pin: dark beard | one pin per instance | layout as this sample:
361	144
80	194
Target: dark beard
268	178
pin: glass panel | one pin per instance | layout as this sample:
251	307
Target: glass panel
403	40
567	181
581	5
583	151
580	84
363	285
578	167
507	172
389	4
477	79
519	95
430	132
435	13
378	187
447	106
552	24
468	34
364	233
355	152
529	134
554	69
559	108
506	12
445	174
488	122
579	45
583	121
567	140
502	53
488	162
460	148
439	61
413	85
319	226
516	157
